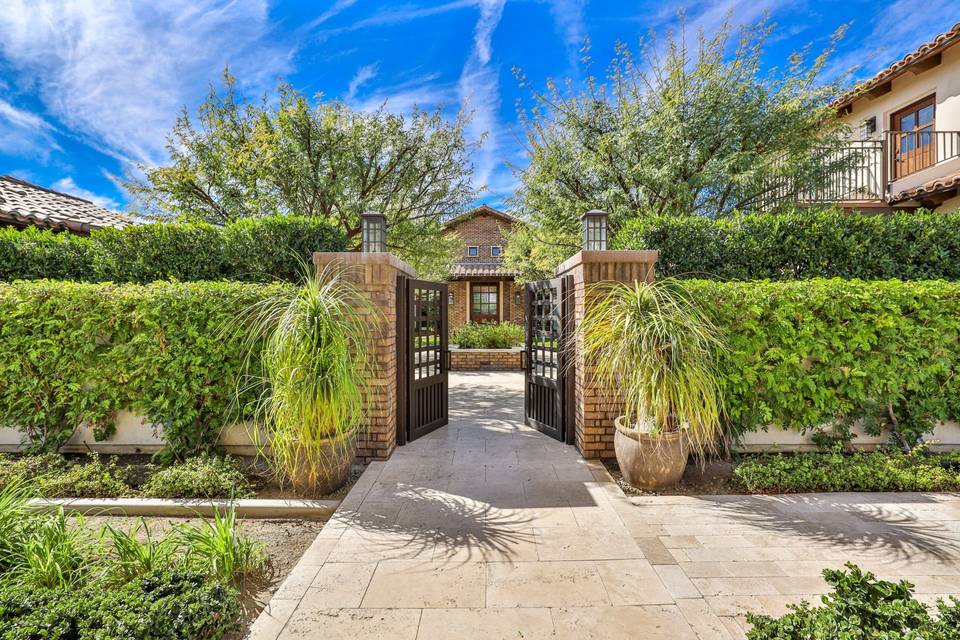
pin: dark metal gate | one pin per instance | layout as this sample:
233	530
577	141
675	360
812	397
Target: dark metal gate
422	356
548	395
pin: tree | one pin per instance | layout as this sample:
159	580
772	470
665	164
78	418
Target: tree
685	131
292	155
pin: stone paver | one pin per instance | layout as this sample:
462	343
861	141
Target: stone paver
487	529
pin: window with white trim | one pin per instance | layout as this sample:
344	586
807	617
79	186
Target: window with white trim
473	252
495	251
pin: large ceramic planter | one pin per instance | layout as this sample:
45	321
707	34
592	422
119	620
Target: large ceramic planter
650	461
331	474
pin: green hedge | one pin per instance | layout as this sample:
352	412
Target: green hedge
253	249
488	336
805	353
73	352
804	244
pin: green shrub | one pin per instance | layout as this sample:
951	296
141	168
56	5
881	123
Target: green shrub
875	471
73	353
204	476
177	605
33	253
803	244
860	606
25	469
254	249
91	479
488	336
803	354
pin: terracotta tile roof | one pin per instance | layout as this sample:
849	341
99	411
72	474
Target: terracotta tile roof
478	269
932	47
481	210
932	186
22	204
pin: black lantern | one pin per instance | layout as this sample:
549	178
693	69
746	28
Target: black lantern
373	237
594	230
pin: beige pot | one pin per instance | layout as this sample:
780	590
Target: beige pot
647	461
331	473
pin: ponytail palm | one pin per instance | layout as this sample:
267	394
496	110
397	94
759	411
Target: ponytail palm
315	366
650	344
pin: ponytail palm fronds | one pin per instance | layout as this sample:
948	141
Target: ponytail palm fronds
314	363
653	347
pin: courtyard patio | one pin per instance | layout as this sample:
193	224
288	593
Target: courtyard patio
486	528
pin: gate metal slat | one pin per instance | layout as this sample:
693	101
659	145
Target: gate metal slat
546	384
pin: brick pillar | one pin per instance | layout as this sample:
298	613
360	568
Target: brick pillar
376	275
596	408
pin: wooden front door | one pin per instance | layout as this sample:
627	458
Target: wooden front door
485	302
914	146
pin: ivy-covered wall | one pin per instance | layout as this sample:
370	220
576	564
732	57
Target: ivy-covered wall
805	353
799	245
73	352
253	249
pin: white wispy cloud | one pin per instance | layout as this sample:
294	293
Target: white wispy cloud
479	89
568	19
337	8
424	92
116	73
363	75
67	185
395	15
24	133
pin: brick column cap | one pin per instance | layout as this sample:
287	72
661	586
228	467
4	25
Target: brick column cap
358	258
647	256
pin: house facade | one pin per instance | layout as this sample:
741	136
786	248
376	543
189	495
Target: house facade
481	288
905	124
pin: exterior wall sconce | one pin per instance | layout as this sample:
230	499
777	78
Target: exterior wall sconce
594	230
450	298
373	232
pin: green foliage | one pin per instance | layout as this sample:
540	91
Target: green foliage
175	605
484	335
73	353
691	128
262	249
92	479
289	154
655	346
801	244
836	471
218	549
860	607
314	369
803	354
136	553
33	253
204	476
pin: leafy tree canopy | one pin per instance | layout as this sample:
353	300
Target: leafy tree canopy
293	155
683	130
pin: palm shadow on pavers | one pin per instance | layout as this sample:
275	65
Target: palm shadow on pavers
906	526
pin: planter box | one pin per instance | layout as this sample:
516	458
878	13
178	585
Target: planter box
485	359
945	437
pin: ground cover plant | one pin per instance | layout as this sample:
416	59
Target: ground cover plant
861	607
800	244
483	335
889	470
263	249
58	580
51	475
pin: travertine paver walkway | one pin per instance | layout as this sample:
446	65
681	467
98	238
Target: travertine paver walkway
487	529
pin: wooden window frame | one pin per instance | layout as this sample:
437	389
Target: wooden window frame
496	291
920	157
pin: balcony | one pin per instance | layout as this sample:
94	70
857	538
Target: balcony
885	171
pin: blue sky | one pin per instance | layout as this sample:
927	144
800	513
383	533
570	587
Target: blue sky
88	89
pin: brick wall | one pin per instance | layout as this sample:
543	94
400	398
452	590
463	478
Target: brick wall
482	230
376	275
457	312
485	359
595	408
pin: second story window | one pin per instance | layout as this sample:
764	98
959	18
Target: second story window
495	252
473	252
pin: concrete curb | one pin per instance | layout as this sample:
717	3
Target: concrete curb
247	508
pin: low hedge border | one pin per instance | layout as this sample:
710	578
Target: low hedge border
252	249
802	244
